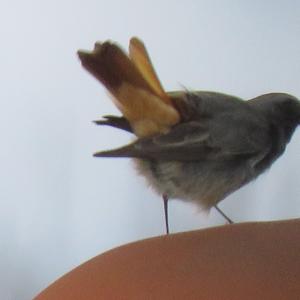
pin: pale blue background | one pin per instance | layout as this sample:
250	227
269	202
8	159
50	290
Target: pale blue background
59	206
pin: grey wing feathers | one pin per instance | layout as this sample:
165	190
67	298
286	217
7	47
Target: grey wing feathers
181	143
117	122
198	141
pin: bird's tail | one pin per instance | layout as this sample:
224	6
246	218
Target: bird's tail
135	88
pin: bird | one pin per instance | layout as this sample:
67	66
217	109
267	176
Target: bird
197	146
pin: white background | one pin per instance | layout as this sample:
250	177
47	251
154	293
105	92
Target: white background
59	206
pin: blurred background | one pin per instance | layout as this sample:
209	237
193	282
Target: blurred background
59	206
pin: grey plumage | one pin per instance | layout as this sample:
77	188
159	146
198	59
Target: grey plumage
221	143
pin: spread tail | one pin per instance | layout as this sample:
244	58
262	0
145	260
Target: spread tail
134	86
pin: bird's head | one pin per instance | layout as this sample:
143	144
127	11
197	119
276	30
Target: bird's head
288	108
282	110
279	106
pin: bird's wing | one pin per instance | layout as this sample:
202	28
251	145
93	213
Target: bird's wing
199	141
135	87
114	121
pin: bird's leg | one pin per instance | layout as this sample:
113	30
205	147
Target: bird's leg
223	215
165	198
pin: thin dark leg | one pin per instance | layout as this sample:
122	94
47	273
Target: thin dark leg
165	198
223	215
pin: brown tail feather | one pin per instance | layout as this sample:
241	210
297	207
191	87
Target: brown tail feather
111	66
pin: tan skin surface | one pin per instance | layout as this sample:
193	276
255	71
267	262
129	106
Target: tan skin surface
240	261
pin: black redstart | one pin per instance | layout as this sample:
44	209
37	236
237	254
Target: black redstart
197	146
